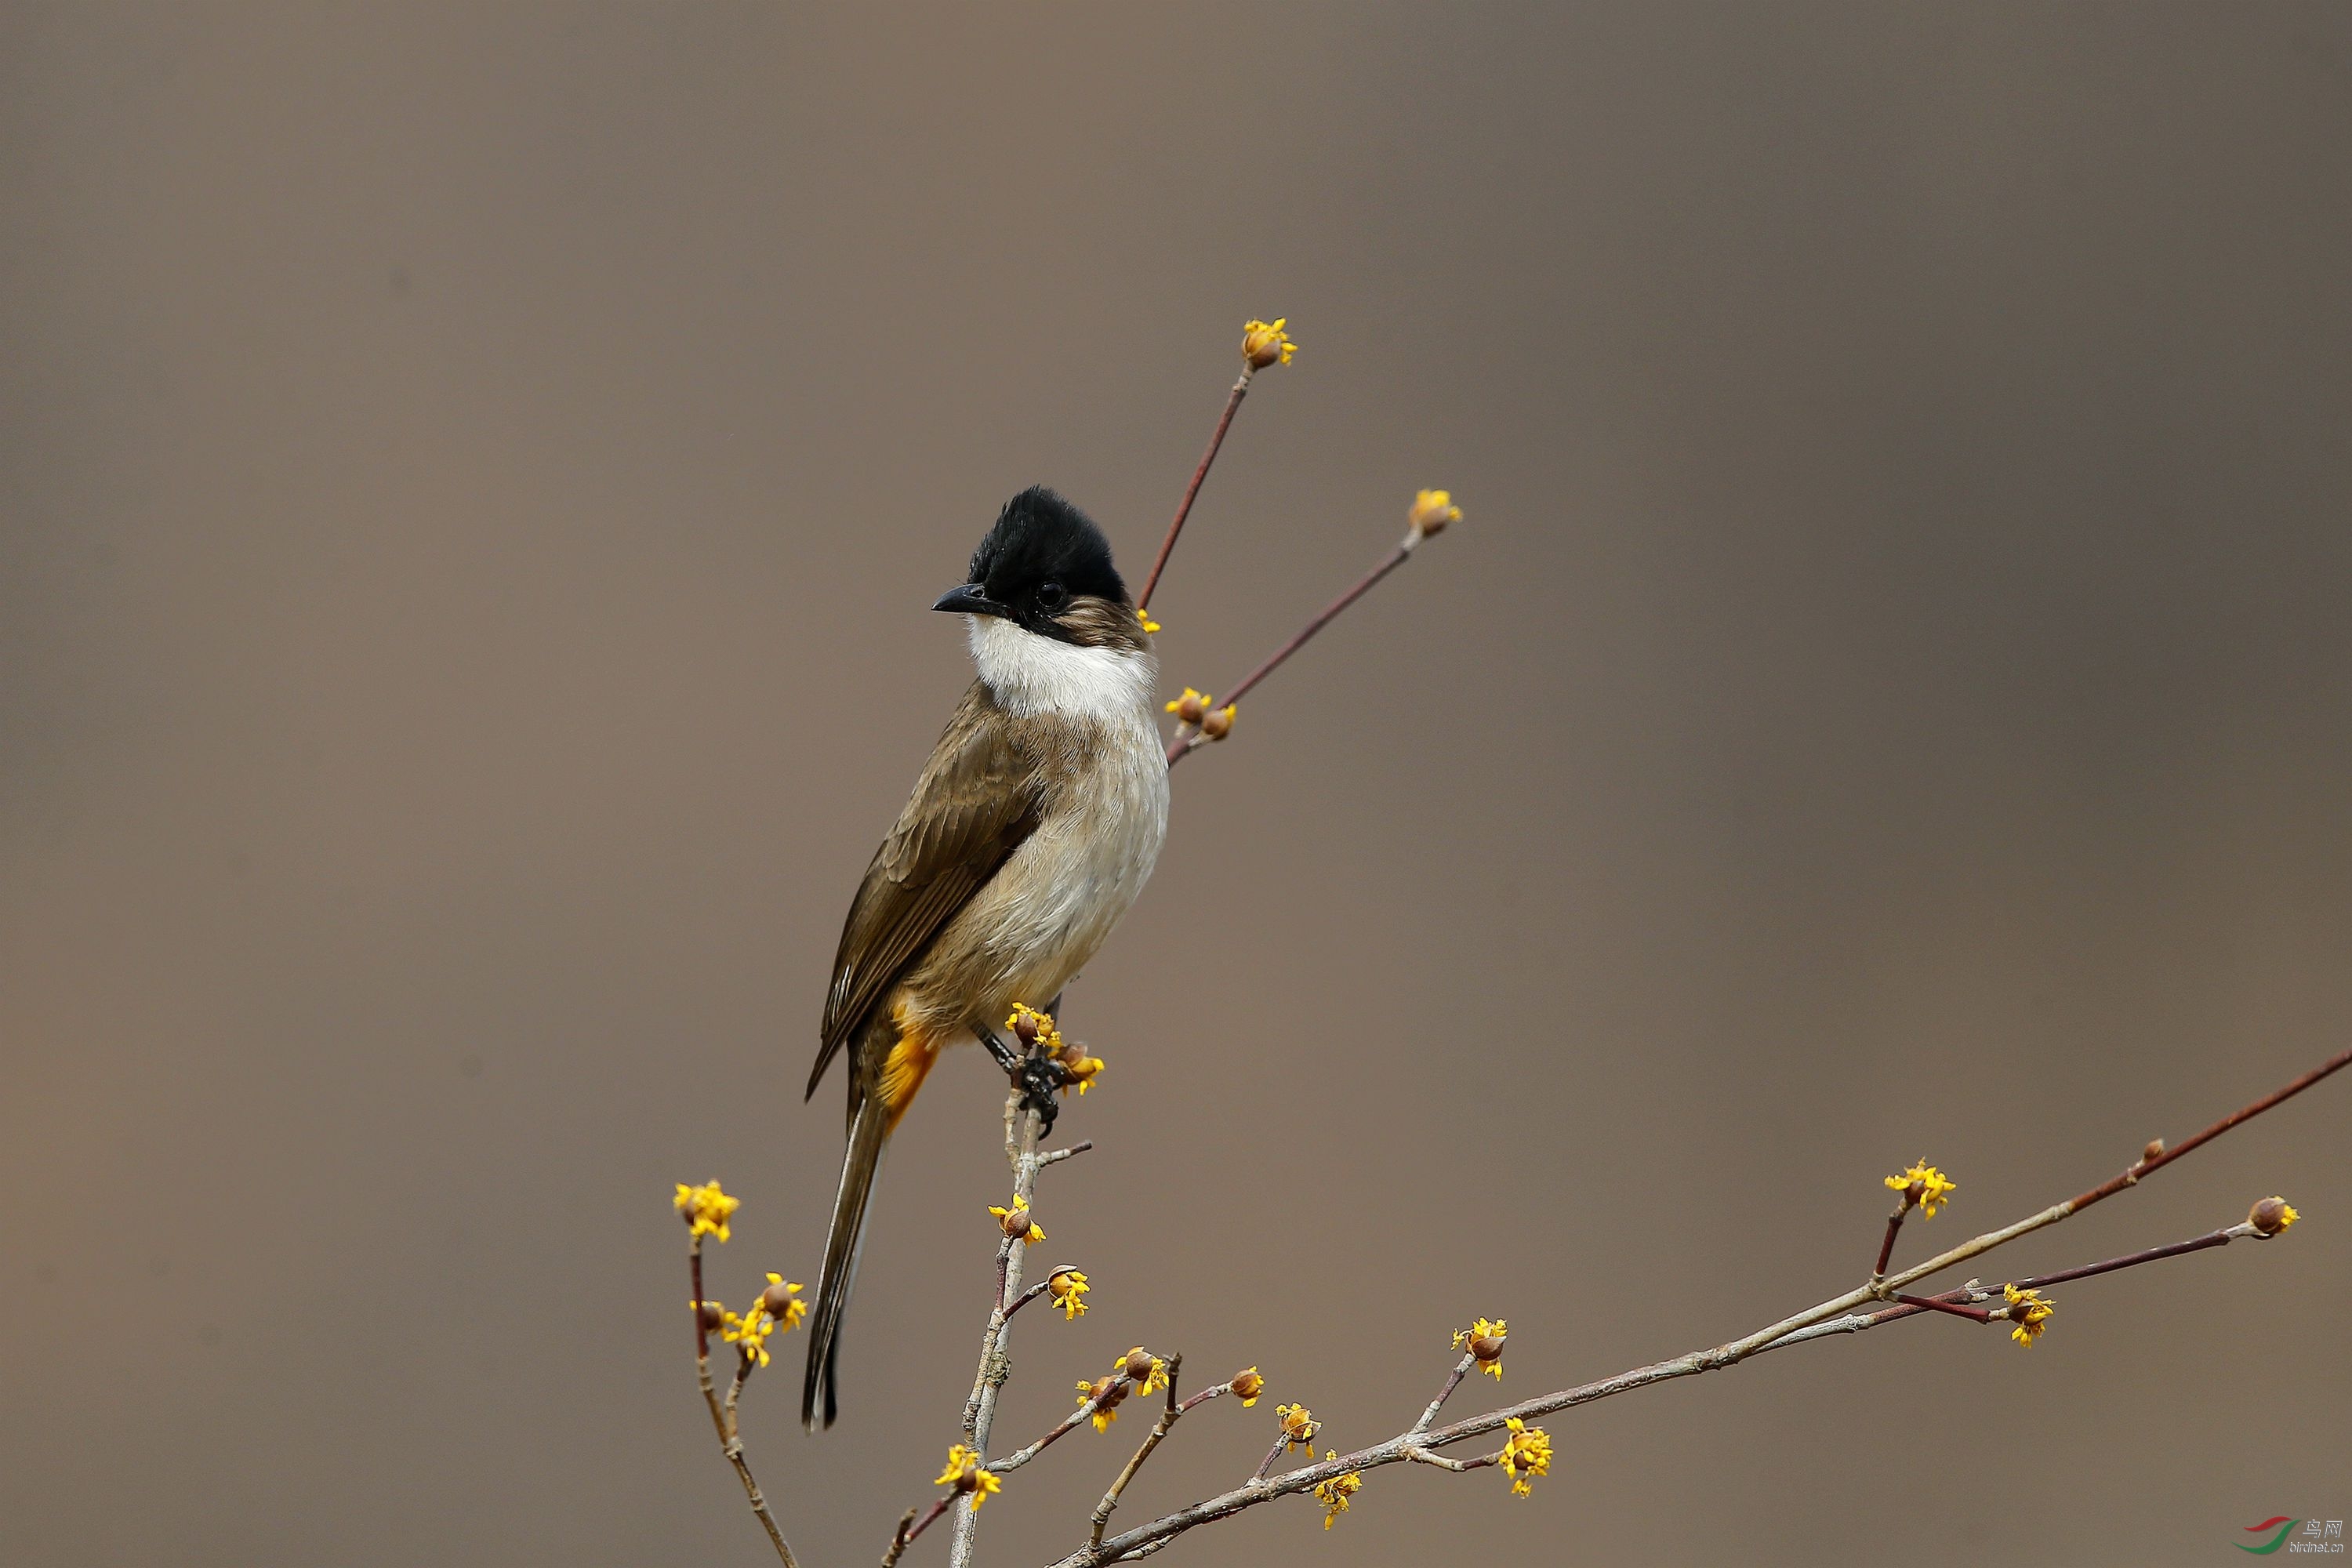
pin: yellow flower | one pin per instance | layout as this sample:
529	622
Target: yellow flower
1432	512
1298	1426
1190	707
704	1209
1334	1493
1149	623
1015	1220
1484	1341
1528	1453
781	1300
1923	1185
1079	1069
1143	1369
1067	1287
1264	343
965	1474
1109	1391
2028	1311
1029	1025
1248	1384
2272	1216
749	1334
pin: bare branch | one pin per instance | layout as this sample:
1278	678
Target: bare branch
1831	1317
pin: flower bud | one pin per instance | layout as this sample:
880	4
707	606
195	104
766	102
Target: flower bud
1218	723
1189	706
1264	343
2272	1216
2155	1147
1014	1221
1139	1364
708	1315
1431	512
1247	1385
778	1299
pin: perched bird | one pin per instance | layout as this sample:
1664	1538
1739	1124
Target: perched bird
1029	833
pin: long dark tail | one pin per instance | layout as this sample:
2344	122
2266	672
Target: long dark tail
868	1128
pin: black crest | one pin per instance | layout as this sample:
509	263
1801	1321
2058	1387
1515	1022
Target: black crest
1042	553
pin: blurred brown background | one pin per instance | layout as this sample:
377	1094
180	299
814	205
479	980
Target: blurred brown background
474	477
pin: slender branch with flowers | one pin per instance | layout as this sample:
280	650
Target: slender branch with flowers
968	1478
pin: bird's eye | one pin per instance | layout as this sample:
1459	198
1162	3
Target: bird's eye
1052	597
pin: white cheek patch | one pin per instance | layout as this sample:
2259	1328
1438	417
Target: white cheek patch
1030	674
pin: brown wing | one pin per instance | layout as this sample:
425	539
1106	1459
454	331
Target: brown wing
977	800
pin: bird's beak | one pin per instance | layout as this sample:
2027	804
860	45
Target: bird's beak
971	599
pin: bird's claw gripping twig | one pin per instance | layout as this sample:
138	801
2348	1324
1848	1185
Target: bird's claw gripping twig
1039	1079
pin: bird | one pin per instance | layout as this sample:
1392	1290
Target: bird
1031	830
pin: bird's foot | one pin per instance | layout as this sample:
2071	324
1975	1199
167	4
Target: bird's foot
1038	1078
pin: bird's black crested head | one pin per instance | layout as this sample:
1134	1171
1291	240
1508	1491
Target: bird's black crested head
1047	568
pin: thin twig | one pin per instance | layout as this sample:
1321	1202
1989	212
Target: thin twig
1886	1247
1184	507
1452	1381
910	1527
1188	738
1061	1429
1023	1131
1974	1314
1160	1428
1831	1317
722	1416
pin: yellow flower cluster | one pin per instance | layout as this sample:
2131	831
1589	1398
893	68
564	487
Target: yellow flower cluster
1028	1023
2272	1216
1298	1426
1264	342
1432	512
1484	1341
1528	1453
779	1306
1143	1369
1015	1220
1105	1394
2028	1312
1200	710
1068	1287
1334	1493
965	1474
706	1209
1924	1186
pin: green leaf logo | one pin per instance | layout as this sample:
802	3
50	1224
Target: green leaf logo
2275	1543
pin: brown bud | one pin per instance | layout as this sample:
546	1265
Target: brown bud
1218	723
1189	706
1485	1347
1914	1193
1248	1384
710	1316
1016	1221
1024	1027
2155	1147
1071	1053
2271	1216
1264	343
1109	1391
1138	1365
776	1297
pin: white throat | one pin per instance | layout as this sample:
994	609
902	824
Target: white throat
1032	674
